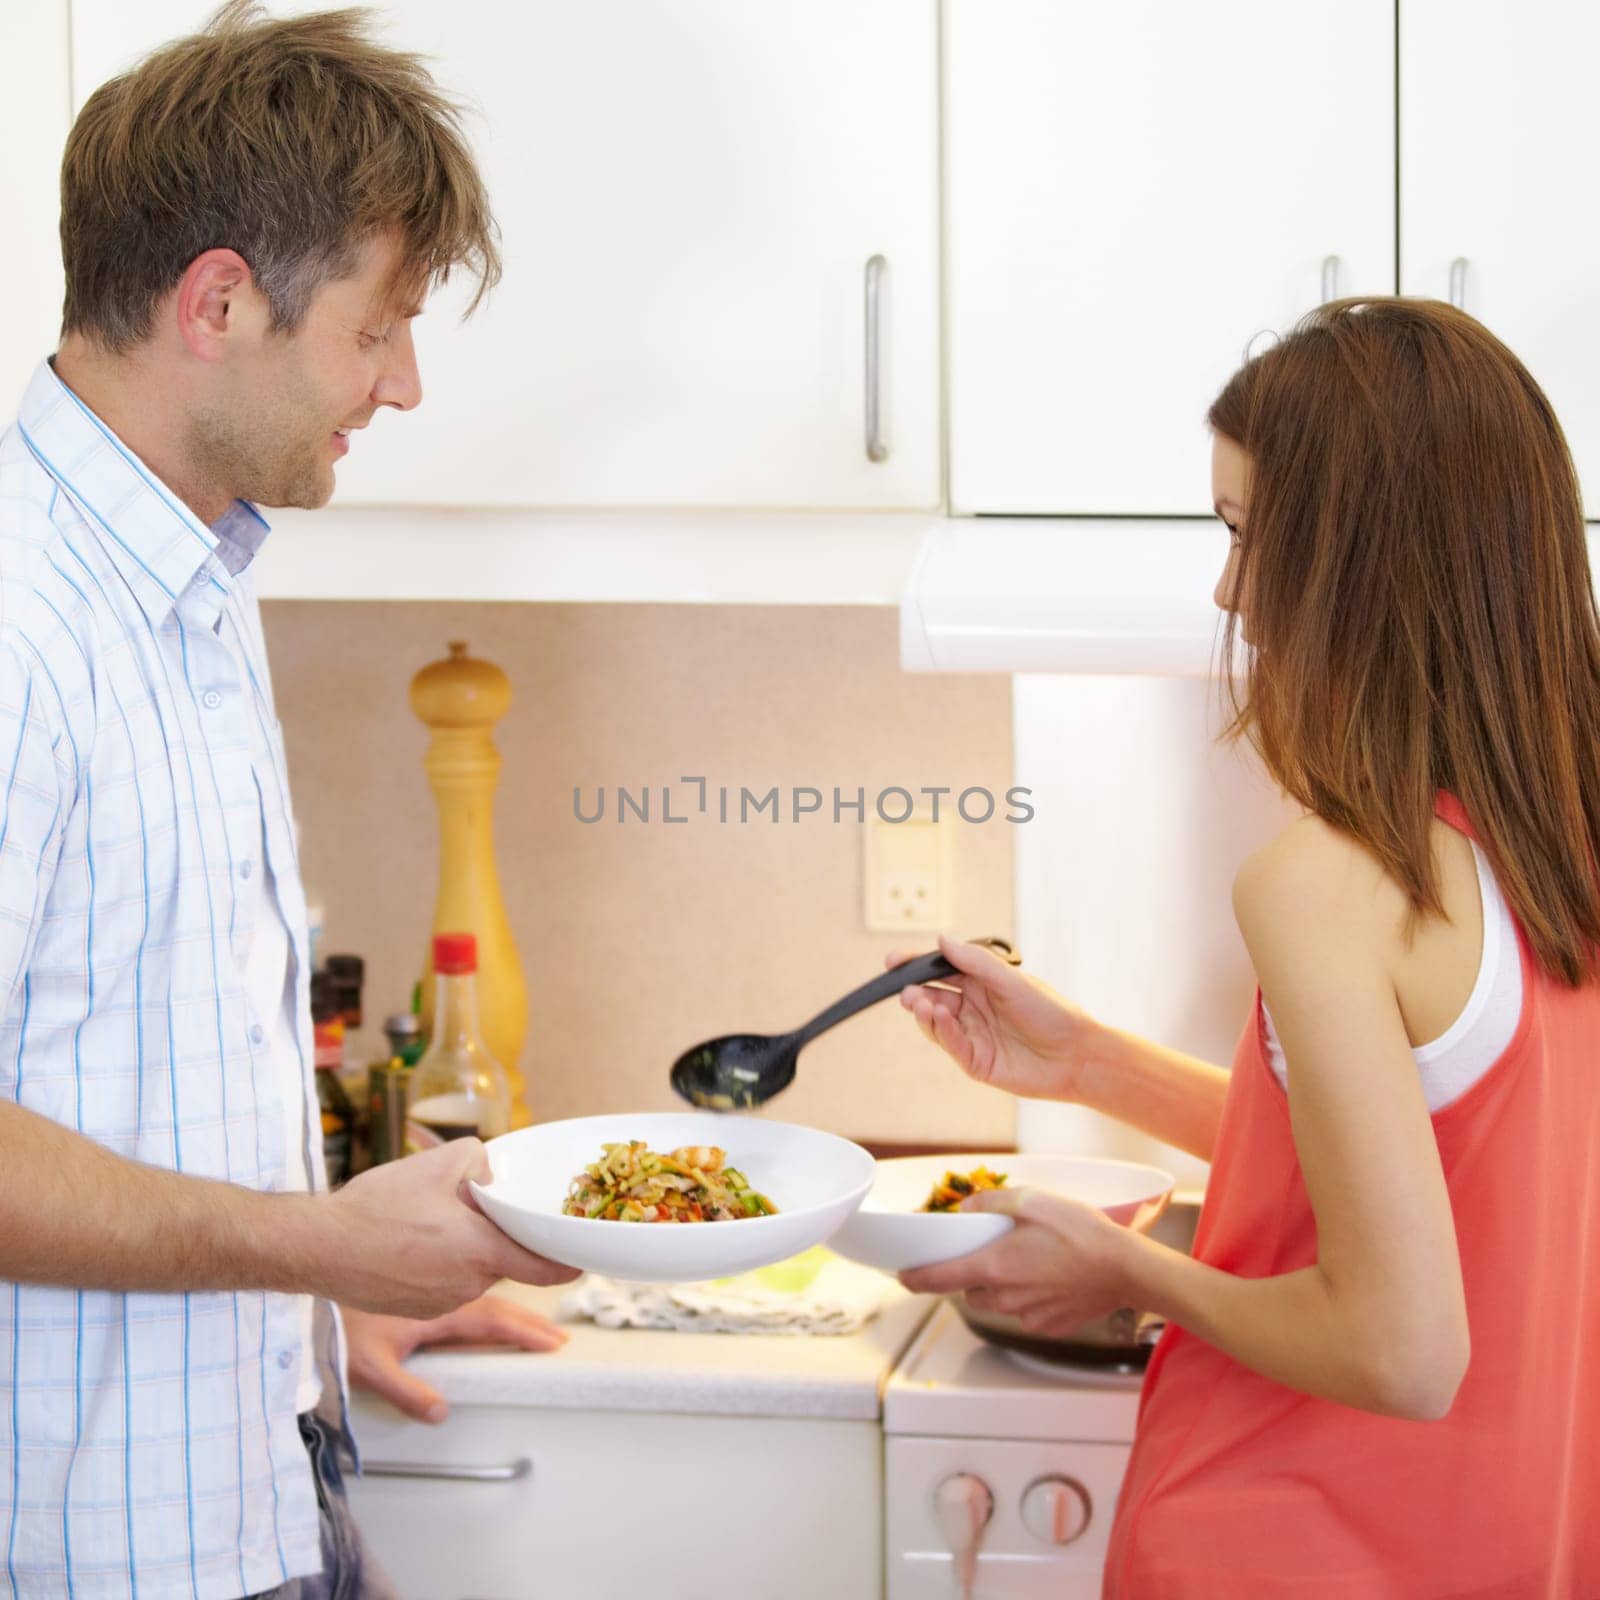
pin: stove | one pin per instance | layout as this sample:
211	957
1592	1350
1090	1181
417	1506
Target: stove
1000	1479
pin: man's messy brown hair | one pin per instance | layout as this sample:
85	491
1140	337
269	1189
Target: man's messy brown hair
290	140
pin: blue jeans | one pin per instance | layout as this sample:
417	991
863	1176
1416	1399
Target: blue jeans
348	1569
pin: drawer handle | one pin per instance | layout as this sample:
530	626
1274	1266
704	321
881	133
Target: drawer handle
1458	283
447	1471
877	450
1330	278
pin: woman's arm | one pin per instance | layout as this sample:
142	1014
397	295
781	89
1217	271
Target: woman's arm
1170	1096
1380	1321
1008	1030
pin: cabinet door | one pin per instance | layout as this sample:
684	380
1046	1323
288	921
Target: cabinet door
1498	166
1135	191
34	106
689	196
615	1505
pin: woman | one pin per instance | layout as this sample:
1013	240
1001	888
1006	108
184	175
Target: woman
1378	1376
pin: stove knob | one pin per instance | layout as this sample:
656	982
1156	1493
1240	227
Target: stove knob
964	1506
1055	1510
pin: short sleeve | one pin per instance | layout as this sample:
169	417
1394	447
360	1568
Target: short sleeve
34	781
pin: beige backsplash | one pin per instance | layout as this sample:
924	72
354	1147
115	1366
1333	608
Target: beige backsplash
641	939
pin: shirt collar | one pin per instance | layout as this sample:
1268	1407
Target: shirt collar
157	543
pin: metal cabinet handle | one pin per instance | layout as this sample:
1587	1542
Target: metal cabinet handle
877	450
448	1471
1259	343
1330	278
1458	283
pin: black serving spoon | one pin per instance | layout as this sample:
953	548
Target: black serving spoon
742	1070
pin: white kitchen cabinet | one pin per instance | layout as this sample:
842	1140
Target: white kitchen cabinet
690	196
1134	192
1498	167
35	106
613	1505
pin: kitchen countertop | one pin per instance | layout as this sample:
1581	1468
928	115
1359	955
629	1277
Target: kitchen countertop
837	1377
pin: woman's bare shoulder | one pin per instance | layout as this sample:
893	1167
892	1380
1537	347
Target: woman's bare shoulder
1311	870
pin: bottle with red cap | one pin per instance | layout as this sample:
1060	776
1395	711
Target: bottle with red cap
457	1090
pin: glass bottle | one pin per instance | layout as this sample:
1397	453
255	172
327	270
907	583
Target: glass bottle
403	1031
338	1114
347	973
388	1083
457	1090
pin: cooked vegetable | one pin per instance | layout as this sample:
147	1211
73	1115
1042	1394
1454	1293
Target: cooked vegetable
954	1187
632	1183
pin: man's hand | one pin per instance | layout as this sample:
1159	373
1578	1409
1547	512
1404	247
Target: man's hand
406	1239
379	1346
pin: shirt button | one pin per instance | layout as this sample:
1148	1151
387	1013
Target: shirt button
246	868
286	1359
200	579
257	1033
211	699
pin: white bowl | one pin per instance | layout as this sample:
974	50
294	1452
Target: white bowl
891	1233
815	1180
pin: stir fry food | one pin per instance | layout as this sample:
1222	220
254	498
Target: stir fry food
954	1187
632	1183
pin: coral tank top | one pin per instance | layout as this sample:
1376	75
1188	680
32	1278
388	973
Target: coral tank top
1238	1486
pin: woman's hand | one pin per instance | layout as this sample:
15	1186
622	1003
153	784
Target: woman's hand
1063	1264
1001	1026
379	1346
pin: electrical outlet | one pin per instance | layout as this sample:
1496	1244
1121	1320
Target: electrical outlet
906	874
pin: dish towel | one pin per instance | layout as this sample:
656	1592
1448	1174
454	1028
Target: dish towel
817	1292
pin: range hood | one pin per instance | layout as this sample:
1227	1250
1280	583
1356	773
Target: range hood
1064	594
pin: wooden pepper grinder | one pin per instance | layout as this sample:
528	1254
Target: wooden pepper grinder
461	699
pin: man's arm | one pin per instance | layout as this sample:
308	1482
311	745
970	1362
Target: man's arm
402	1238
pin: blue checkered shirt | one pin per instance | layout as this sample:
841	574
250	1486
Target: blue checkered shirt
148	1442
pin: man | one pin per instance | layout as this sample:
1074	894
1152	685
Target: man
249	220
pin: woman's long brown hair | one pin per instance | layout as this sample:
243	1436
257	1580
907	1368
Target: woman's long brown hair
1419	605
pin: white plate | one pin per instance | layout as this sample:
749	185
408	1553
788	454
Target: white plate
890	1232
815	1180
